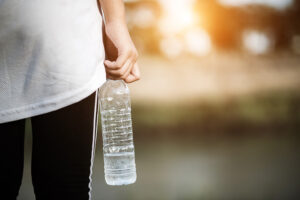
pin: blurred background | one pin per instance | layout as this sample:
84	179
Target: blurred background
216	114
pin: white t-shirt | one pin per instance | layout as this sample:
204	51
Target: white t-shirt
51	55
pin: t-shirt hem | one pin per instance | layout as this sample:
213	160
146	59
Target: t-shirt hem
56	102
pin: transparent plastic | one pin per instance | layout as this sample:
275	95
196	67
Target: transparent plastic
118	147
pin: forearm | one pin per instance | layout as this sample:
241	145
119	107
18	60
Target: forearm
114	11
120	52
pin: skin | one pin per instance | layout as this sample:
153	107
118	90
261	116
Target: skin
121	54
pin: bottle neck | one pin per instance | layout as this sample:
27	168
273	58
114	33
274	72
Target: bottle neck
108	79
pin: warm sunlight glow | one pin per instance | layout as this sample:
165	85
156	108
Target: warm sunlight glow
256	42
178	15
198	42
143	17
171	46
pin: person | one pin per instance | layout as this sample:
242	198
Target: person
54	57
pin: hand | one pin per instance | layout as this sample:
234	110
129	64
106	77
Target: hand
121	54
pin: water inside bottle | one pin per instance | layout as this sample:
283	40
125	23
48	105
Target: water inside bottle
119	168
118	148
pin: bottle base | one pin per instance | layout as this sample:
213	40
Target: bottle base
121	179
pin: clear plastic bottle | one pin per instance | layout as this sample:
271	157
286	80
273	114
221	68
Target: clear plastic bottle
118	147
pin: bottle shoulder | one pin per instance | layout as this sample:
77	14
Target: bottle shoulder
114	87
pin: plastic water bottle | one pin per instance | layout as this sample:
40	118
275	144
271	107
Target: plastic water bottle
118	147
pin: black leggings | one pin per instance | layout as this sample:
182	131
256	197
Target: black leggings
62	153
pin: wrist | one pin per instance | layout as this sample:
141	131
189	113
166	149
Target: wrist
116	23
116	27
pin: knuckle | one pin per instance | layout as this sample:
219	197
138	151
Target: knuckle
123	71
128	52
118	66
135	55
123	76
133	51
119	73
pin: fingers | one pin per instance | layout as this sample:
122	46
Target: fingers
134	74
125	67
136	71
126	74
130	78
116	65
119	73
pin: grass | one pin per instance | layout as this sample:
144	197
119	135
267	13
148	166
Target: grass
276	111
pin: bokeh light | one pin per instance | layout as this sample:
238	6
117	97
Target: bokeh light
256	42
178	15
171	46
198	42
143	17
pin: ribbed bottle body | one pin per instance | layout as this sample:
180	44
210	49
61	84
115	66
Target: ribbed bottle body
118	147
